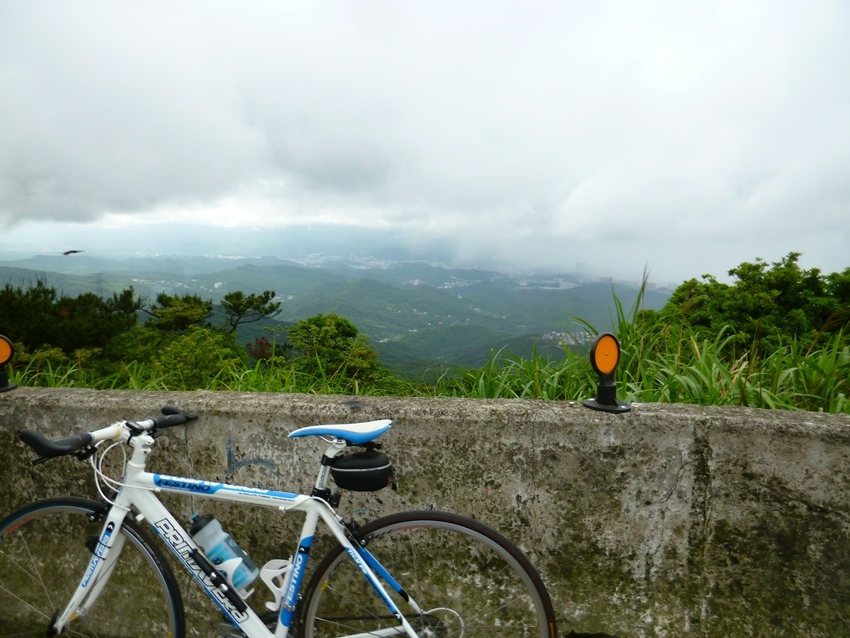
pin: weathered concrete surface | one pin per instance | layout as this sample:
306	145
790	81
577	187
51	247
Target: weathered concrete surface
669	520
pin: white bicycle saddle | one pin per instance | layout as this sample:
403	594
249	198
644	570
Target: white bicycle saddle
353	433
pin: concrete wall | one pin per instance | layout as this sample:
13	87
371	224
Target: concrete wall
669	520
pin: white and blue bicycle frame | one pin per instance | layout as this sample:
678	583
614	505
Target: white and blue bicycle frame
138	492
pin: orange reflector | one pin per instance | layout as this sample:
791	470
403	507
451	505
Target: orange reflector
6	350
605	354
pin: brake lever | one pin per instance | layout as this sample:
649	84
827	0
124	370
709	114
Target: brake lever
85	454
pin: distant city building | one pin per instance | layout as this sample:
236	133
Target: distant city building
569	338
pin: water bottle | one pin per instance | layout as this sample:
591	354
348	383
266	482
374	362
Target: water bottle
224	553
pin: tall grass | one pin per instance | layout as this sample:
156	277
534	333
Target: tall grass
663	362
505	376
229	376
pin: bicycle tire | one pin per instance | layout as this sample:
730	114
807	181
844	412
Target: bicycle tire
43	556
469	579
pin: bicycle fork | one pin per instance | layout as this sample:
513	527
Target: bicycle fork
105	549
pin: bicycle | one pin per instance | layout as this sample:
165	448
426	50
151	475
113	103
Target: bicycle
93	568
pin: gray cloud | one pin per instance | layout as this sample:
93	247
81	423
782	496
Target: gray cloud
692	132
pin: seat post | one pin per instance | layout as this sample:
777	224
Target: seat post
334	449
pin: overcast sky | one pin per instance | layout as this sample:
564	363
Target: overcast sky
688	136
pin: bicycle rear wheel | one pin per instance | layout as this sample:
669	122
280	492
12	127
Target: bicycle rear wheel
43	556
469	580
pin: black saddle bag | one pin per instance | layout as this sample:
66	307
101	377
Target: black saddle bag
366	471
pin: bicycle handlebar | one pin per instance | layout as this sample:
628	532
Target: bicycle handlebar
80	445
47	449
173	417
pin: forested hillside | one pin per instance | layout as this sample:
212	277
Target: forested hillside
420	317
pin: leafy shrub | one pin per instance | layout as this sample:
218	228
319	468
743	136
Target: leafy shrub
200	358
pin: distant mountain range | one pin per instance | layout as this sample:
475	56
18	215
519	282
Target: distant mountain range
419	316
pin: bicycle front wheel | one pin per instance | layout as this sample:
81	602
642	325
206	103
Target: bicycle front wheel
468	580
44	552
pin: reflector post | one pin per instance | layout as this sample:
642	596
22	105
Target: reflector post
604	357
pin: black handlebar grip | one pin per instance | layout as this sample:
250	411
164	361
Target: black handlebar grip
170	420
48	449
173	417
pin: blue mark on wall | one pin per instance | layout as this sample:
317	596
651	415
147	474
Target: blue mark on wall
233	465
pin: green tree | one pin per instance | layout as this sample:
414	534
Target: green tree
28	315
88	321
177	313
38	317
766	305
239	308
331	345
838	290
200	358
